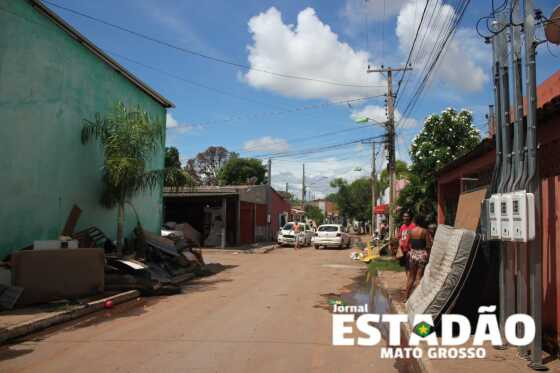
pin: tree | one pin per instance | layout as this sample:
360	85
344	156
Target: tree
172	157
354	199
445	137
175	176
242	171
207	164
286	195
129	137
314	213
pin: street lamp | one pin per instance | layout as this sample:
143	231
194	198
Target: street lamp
373	175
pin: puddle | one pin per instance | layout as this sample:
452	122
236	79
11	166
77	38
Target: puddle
365	291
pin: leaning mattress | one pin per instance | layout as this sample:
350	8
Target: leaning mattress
450	260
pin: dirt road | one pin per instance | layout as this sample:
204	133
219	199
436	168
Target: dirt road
265	313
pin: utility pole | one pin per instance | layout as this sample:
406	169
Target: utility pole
373	190
287	188
391	139
518	160
303	188
269	201
533	185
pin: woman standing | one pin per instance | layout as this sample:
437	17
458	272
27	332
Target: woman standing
420	241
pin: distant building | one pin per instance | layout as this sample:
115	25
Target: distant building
52	78
243	209
328	208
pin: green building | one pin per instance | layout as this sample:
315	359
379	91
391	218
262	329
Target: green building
51	78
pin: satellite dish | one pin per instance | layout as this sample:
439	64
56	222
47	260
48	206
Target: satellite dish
552	27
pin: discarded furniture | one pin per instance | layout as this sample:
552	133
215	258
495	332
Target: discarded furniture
47	275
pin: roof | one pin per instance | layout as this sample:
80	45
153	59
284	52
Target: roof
100	54
199	192
485	146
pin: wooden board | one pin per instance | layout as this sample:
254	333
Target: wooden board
468	209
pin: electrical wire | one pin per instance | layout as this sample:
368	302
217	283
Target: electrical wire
202	55
190	82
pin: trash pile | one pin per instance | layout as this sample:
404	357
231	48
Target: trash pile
157	266
87	262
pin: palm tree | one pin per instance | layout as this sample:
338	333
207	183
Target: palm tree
129	138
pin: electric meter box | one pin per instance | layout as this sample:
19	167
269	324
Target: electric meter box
523	216
494	216
506	217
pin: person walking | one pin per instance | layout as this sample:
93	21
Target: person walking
420	242
296	230
404	243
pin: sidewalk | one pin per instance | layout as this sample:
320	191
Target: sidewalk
21	321
496	361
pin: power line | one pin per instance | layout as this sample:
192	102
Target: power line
411	49
202	55
316	150
287	111
191	82
307	138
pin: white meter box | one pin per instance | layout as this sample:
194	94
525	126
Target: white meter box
494	217
506	216
523	216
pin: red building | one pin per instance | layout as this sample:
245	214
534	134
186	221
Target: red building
474	170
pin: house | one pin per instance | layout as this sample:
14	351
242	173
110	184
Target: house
51	79
468	176
244	209
328	208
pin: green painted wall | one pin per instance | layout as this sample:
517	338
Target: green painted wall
48	84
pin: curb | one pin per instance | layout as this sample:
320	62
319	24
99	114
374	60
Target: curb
35	325
422	365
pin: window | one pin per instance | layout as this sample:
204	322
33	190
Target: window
287	227
328	228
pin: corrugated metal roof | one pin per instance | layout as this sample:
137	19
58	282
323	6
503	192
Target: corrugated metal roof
100	54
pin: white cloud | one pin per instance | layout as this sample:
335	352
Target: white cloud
460	66
310	49
319	173
172	124
266	143
379	114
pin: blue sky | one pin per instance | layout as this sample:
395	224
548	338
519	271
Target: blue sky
258	113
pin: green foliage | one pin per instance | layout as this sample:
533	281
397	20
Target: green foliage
384	265
401	170
175	176
445	137
129	138
353	200
242	171
314	213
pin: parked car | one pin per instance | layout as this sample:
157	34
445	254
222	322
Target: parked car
286	236
169	230
331	235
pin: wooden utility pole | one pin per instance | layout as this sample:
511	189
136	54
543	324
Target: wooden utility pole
391	139
373	190
303	188
269	201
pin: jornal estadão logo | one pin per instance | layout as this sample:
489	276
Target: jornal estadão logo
454	342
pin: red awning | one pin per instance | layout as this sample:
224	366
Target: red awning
381	209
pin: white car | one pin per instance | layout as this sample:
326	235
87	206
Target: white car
286	236
331	235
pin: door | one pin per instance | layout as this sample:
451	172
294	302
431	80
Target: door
246	223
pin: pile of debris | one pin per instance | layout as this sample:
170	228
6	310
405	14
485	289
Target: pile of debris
87	263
